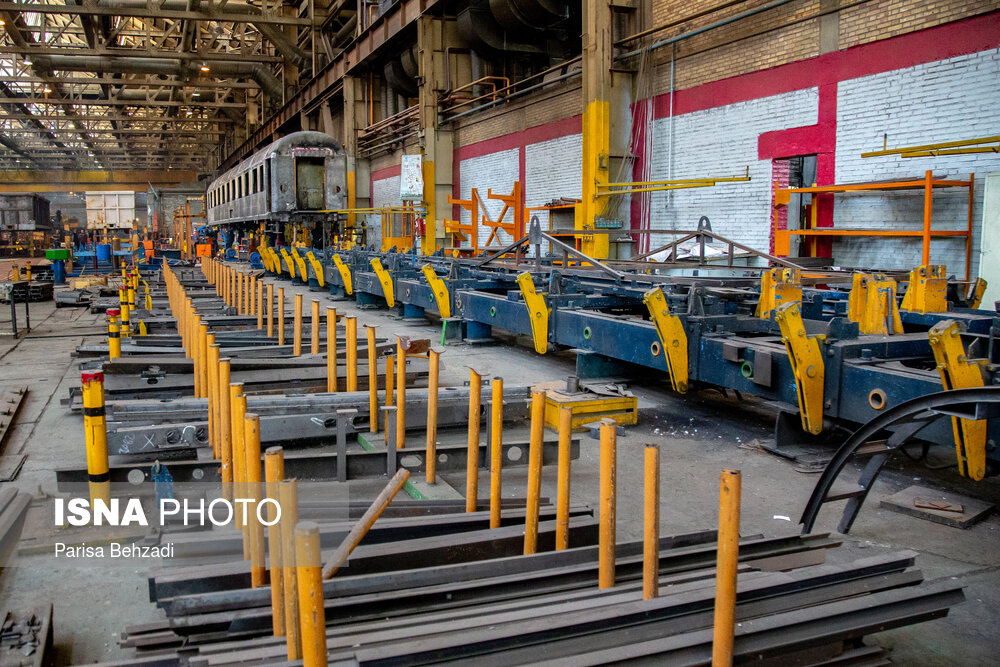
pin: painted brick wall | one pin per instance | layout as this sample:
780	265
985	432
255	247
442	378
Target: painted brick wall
496	170
552	169
722	141
385	192
946	100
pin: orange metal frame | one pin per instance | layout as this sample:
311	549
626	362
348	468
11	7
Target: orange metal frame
782	197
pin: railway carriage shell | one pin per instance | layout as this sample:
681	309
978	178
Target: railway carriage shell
293	180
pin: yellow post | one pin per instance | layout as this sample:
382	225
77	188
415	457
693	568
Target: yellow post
214	432
389	375
372	380
401	395
534	489
270	310
260	305
432	416
252	296
314	325
241	290
274	472
352	354
651	525
251	448
114	335
311	613
96	435
331	350
225	428
496	452
472	451
280	306
203	357
297	327
725	569
126	328
562	485
239	410
606	536
288	498
196	354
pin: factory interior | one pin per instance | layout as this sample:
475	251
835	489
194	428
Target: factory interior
499	332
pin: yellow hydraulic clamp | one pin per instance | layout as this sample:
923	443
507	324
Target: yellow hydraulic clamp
959	372
777	287
928	289
976	295
386	280
805	355
289	262
317	268
301	264
265	258
538	312
872	304
673	338
440	290
345	273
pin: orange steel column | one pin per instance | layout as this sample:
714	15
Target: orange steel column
372	381
331	350
534	489
725	568
432	415
214	432
928	208
225	426
401	395
563	482
352	354
472	454
389	375
311	612
288	498
651	524
297	327
314	326
270	310
280	306
251	440
274	472
608	491
496	452
260	305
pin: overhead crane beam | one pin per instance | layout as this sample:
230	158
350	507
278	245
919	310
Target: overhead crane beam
71	181
152	12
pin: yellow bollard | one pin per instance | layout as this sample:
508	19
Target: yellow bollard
239	294
281	315
225	427
308	567
496	452
260	305
331	350
252	295
534	488
472	451
96	435
608	491
239	409
274	472
562	485
288	498
114	335
126	326
432	415
400	395
214	433
196	354
727	557
270	310
651	525
251	449
297	327
314	325
352	354
203	357
372	381
389	375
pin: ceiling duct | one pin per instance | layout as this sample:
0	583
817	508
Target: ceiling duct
401	73
517	26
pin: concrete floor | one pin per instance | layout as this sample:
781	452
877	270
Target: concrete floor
699	435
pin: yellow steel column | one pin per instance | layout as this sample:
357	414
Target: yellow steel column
609	494
251	447
432	416
203	357
308	565
270	310
274	472
727	557
372	380
534	489
331	350
260	305
214	432
651	525
114	335
280	305
472	452
563	483
288	498
225	428
400	395
96	433
314	326
496	452
297	327
352	354
389	375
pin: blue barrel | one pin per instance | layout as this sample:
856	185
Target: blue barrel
59	272
104	252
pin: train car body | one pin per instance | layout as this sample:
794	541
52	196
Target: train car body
299	179
24	213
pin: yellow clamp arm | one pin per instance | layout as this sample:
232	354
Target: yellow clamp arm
959	372
265	258
538	312
440	290
345	274
301	263
386	280
289	262
805	356
673	338
978	289
317	268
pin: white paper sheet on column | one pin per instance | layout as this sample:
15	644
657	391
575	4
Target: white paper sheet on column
411	181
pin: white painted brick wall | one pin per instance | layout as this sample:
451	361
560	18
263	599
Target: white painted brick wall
946	100
722	142
552	169
385	192
495	170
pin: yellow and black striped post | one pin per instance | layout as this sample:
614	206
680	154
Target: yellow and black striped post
114	335
130	293
126	329
95	431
